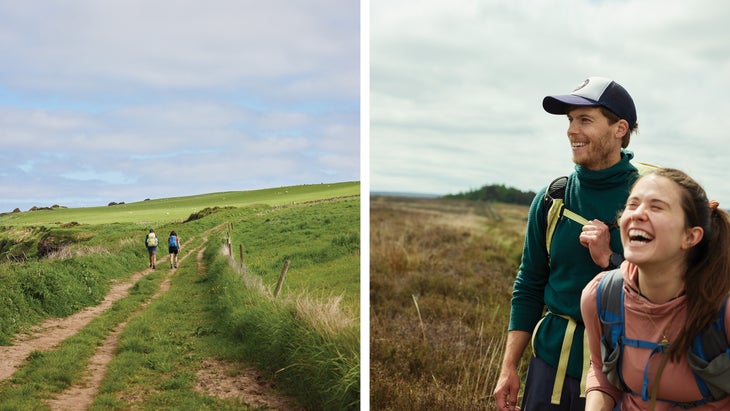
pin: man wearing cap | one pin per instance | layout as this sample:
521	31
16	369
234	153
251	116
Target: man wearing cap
546	294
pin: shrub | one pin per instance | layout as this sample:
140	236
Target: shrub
205	212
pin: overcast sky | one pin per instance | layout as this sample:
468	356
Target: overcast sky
131	99
456	88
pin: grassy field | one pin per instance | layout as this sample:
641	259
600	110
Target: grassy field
306	340
158	211
441	274
318	245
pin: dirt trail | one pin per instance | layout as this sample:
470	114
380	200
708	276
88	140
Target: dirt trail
80	396
216	378
53	331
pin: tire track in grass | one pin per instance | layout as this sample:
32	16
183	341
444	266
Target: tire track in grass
215	378
81	395
53	331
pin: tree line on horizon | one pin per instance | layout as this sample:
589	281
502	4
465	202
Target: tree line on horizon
496	193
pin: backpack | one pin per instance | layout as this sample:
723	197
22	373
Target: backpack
554	204
172	242
709	356
151	240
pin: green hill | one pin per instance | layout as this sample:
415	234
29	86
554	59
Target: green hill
159	211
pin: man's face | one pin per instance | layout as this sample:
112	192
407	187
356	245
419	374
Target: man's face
596	145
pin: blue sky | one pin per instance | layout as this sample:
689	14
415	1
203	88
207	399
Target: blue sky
456	88
127	100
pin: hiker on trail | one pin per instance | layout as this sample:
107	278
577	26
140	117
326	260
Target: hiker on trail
546	295
151	241
672	293
173	246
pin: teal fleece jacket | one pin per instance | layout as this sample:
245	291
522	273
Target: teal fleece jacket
555	285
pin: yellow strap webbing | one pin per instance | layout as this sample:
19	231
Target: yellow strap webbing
564	356
575	217
557	209
553	216
563	363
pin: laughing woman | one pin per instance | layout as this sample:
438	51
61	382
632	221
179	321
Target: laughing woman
655	323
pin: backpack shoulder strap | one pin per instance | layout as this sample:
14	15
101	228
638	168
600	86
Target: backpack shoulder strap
610	303
555	205
610	308
556	189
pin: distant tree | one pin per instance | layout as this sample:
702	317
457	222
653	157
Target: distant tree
496	192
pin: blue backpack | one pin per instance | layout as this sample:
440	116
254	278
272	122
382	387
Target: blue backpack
172	242
709	356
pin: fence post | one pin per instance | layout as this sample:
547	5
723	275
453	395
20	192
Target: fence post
281	278
229	241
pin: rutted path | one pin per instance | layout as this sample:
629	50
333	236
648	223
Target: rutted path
215	378
80	396
53	331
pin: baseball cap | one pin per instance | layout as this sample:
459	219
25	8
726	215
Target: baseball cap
595	91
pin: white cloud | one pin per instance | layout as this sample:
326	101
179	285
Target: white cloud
137	99
456	87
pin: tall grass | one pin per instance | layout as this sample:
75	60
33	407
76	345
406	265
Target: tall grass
35	290
441	279
319	365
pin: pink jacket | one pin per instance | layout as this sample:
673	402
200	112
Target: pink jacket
646	321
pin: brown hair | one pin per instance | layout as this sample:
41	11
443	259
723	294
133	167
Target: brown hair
707	280
613	119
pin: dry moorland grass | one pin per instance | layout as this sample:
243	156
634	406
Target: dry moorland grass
440	287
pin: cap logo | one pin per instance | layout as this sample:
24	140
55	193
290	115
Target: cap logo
583	84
